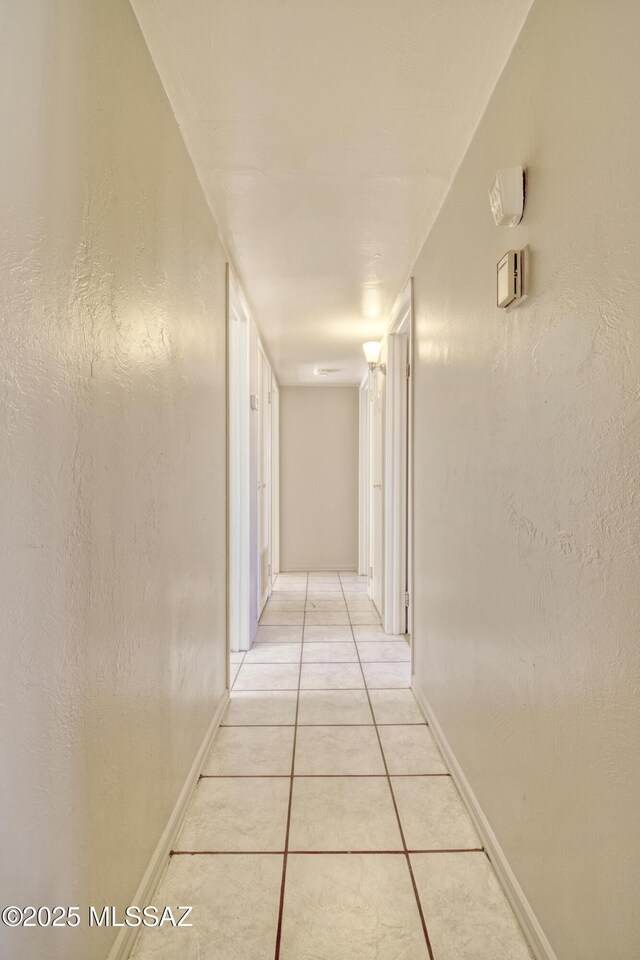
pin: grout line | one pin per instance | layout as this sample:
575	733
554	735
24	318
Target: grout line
307	689
217	853
319	776
333	663
293	767
395	806
411	723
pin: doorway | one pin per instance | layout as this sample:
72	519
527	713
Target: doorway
376	490
386	475
251	493
398	452
264	479
238	460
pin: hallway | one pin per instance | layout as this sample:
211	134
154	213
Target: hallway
320	445
325	825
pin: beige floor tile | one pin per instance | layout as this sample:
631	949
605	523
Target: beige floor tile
329	653
410	750
331	676
343	813
235	909
237	814
395	706
282	618
251	751
234	670
350	907
282	604
326	633
393	652
387	675
265	707
334	706
373	631
289	596
343	751
326	618
467	913
326	606
363	619
330	593
361	606
432	814
268	676
236	656
282	634
262	652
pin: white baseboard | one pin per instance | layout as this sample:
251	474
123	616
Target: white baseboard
540	946
124	942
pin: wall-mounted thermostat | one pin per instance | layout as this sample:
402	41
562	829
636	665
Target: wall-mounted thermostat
510	278
506	196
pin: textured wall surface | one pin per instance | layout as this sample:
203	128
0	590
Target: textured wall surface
527	458
112	492
318	478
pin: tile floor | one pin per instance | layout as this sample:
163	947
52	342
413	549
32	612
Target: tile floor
325	825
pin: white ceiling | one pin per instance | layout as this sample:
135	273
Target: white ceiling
325	134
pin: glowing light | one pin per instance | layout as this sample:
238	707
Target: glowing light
372	350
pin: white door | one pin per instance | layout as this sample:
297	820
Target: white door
264	479
376	492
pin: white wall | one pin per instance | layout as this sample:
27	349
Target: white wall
112	471
318	478
527	458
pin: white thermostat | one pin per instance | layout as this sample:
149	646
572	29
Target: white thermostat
506	196
510	278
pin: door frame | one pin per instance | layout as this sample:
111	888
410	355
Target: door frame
363	479
376	392
398	493
238	465
264	449
275	478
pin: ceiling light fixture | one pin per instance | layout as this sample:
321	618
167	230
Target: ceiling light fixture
372	350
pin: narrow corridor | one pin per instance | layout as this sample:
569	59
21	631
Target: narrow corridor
325	825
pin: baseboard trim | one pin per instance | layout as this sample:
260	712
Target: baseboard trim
124	942
540	946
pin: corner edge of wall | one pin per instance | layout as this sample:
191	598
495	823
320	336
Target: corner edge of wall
125	941
533	932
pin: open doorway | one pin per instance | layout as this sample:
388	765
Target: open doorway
376	488
264	479
398	488
238	470
386	475
251	492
